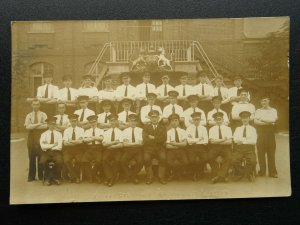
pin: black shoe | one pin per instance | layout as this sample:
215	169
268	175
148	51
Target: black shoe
162	181
215	180
149	181
56	182
30	179
274	175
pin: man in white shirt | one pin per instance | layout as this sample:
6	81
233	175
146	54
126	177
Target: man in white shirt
242	105
216	101
151	98
126	104
62	121
197	139
184	89
193	102
51	157
126	90
73	148
222	92
48	94
265	120
103	121
89	89
108	93
220	139
132	151
113	144
176	151
173	107
92	157
163	90
234	92
68	95
145	88
84	112
245	138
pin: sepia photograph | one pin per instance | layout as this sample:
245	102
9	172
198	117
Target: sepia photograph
162	109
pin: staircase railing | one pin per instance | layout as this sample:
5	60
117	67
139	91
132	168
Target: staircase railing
98	59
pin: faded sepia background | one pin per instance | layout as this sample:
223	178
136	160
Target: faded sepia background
255	48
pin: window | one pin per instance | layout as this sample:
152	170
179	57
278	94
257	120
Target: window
156	25
95	26
41	27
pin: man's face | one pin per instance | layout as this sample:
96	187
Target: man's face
132	123
68	83
265	102
106	108
196	121
174	123
48	80
219	121
154	119
113	123
146	79
245	120
237	82
83	104
165	80
61	108
218	82
244	96
216	104
151	100
35	105
173	99
126	80
183	80
202	79
192	81
88	82
108	82
73	123
193	103
126	106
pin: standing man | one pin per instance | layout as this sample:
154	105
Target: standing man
163	90
220	138
193	102
35	123
151	99
245	138
144	88
108	93
113	144
173	107
68	95
132	142
62	120
103	122
51	157
126	90
84	112
154	136
216	102
184	89
73	148
197	139
89	89
222	93
234	92
124	115
265	119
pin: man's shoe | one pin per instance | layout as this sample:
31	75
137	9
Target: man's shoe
149	181
237	177
30	179
56	182
48	182
274	175
110	183
215	180
162	181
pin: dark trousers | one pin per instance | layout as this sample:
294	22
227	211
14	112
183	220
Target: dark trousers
197	155
224	151
91	161
266	145
34	151
155	152
111	162
177	160
131	154
71	153
241	153
52	162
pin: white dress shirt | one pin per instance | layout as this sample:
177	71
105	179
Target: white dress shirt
233	92
46	139
79	133
107	135
138	134
122	116
182	135
188	119
88	91
41	117
87	113
224	92
63	94
266	114
251	135
208	89
98	133
160	90
131	92
52	91
212	112
101	117
141	89
62	120
146	109
225	131
202	135
107	95
168	110
240	107
188	90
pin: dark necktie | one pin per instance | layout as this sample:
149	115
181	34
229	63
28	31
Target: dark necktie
126	91
35	120
146	89
69	95
61	120
73	134
132	136
195	109
196	133
151	108
220	133
176	136
93	136
183	91
173	109
166	90
245	132
105	120
203	93
82	115
46	91
219	93
52	138
126	120
112	135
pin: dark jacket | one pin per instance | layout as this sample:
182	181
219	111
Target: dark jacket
160	135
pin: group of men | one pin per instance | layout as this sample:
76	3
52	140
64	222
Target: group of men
190	129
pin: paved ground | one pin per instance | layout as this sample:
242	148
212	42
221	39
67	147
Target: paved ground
23	192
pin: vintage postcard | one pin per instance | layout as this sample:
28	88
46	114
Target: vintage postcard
149	110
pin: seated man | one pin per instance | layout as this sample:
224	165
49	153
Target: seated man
197	139
145	87
193	102
173	107
245	138
220	138
216	101
92	157
222	93
154	136
176	153
84	112
132	142
68	95
108	93
184	89
62	121
123	116
103	121
88	88
51	158
126	90
151	98
73	148
113	144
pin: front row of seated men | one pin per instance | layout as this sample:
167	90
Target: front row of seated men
105	155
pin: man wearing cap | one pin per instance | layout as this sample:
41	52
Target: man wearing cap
197	139
113	144
73	148
173	107
89	89
234	92
184	89
176	153
62	120
163	90
103	121
154	136
151	98
242	105
92	157
51	158
204	91
124	115
35	123
126	90
132	142
220	138
84	112
48	94
145	88
193	102
108	93
222	92
265	119
216	101
245	138
68	95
